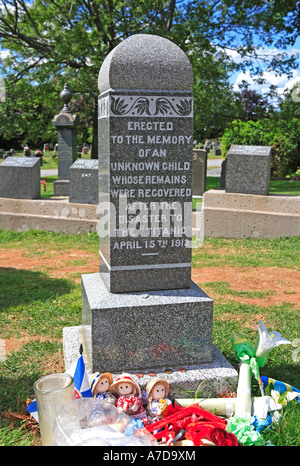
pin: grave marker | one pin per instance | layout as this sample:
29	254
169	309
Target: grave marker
66	124
248	169
145	159
143	310
20	178
199	171
84	181
152	317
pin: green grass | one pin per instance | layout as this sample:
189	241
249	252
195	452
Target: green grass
291	188
49	186
279	252
40	242
224	288
40	306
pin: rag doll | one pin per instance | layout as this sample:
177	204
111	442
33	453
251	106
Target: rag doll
157	391
128	396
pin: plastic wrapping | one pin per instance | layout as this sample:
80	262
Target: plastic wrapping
93	422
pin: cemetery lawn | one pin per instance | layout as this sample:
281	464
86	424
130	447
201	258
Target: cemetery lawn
284	187
40	294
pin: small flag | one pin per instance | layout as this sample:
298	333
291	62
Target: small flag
81	384
32	409
81	381
272	384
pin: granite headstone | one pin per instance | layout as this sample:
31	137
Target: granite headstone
160	323
199	171
223	174
66	124
145	154
143	310
20	178
248	169
84	181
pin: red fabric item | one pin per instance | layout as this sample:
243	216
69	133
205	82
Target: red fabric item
198	423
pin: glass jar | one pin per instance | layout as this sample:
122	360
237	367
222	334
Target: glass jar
52	392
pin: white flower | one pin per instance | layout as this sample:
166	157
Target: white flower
267	341
282	400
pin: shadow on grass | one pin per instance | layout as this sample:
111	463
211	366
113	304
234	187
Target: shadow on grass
25	286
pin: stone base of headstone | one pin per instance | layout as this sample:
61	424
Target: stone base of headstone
163	333
61	188
134	330
207	379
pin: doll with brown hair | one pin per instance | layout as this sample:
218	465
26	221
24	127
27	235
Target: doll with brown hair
100	386
157	391
128	396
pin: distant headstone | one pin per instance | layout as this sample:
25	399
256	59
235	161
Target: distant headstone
248	169
223	174
199	171
1	153
66	124
27	152
84	181
20	178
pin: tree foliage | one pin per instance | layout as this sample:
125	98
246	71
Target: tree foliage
51	42
283	136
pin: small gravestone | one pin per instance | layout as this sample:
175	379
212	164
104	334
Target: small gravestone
223	174
20	178
66	124
199	171
248	169
84	181
27	152
1	153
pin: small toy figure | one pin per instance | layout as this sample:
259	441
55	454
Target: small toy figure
100	386
157	391
128	396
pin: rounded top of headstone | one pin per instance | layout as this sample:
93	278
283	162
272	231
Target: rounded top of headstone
145	61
